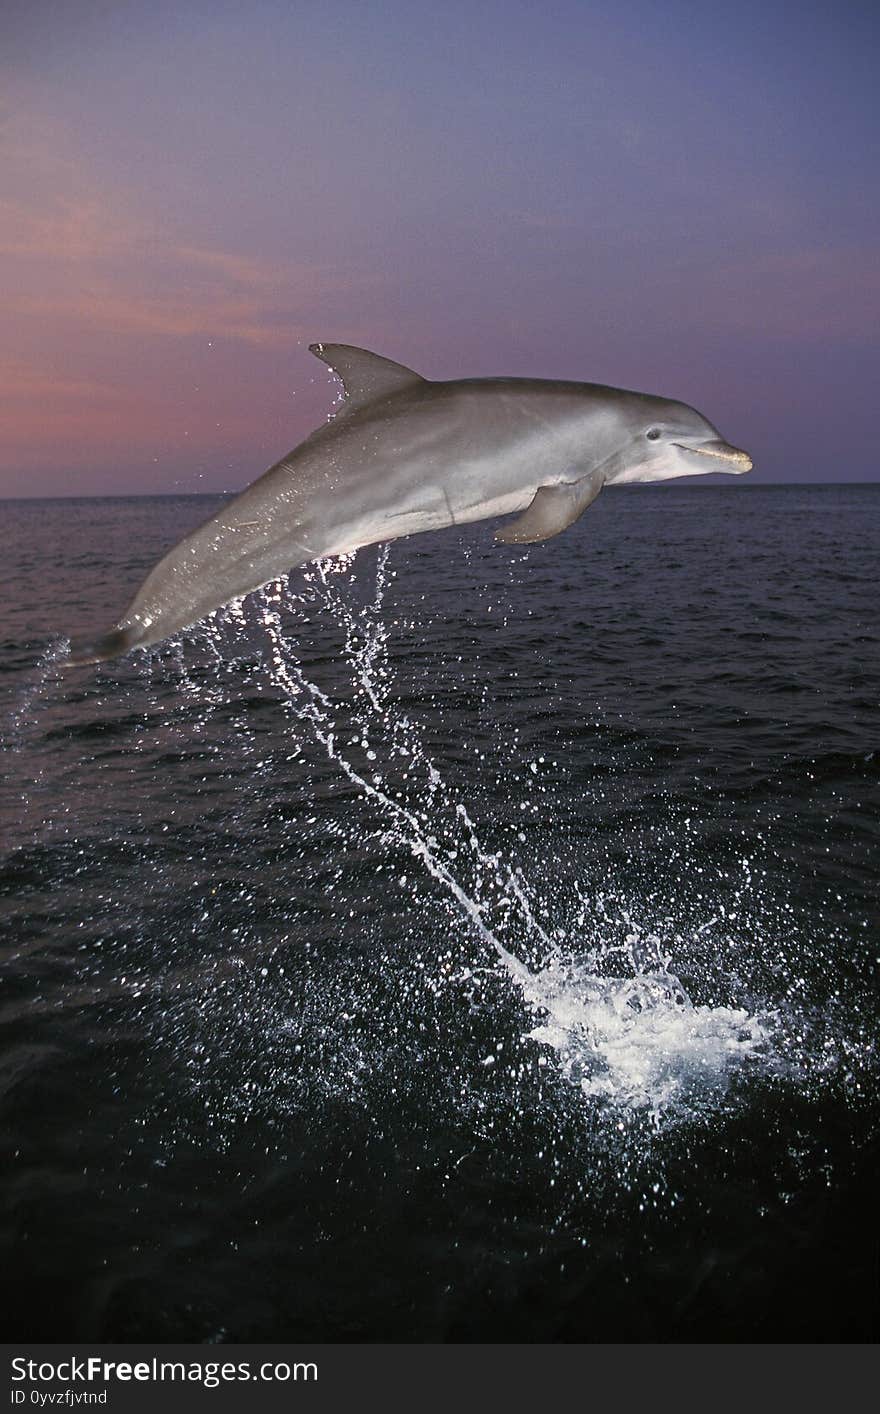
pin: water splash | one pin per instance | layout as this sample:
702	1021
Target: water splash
601	999
640	1042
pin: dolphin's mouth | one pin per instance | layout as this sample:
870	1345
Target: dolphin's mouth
734	459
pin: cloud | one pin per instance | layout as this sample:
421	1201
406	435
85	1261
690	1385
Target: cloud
52	418
26	382
240	269
73	251
49	417
168	314
81	262
65	229
106	315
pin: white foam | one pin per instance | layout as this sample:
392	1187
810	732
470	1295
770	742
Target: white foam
639	1042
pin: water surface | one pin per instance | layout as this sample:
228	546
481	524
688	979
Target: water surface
466	943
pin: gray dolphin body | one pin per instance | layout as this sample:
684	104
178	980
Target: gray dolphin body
404	455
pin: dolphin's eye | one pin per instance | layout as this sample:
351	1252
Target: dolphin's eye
652	434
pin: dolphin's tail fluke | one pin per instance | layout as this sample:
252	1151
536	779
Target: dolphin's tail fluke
99	650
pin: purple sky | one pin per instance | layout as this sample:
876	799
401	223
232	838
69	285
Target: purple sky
679	197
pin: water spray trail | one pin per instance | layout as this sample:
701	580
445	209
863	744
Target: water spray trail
636	1039
315	710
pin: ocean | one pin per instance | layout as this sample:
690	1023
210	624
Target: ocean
455	943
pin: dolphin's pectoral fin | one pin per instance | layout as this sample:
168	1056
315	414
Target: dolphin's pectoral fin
553	509
366	377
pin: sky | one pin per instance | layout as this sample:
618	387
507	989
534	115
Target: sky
677	197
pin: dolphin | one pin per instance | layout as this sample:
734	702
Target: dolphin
404	454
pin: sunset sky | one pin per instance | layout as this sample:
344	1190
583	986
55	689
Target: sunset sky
679	197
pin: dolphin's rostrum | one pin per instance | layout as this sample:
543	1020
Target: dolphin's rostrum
404	454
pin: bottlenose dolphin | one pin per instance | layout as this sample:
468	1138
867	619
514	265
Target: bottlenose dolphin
403	455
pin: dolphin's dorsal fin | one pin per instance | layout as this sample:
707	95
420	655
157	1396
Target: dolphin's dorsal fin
366	377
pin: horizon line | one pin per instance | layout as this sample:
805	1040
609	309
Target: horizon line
693	484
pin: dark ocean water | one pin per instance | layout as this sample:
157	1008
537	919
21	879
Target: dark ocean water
473	944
